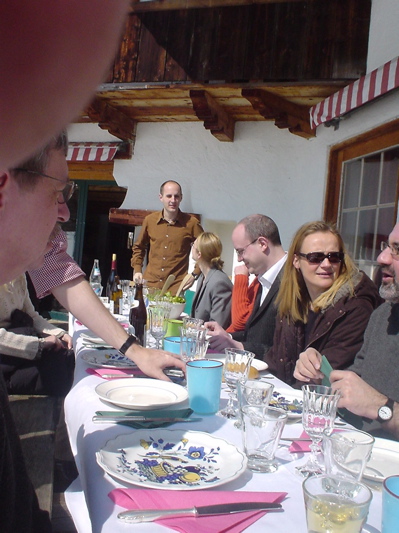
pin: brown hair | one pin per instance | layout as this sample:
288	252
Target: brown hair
170	181
261	226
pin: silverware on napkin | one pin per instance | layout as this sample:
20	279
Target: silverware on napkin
140	418
148	515
296	439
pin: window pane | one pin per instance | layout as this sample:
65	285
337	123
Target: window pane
366	234
385	224
351	184
371	171
389	176
347	230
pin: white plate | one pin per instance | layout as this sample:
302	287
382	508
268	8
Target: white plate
141	393
256	363
289	400
171	459
384	460
107	359
92	339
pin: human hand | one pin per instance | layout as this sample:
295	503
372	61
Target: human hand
356	395
219	338
53	342
138	278
153	362
241	269
67	339
307	367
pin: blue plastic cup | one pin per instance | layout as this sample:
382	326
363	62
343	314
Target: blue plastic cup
390	505
204	382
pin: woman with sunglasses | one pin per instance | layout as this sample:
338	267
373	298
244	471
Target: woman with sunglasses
324	302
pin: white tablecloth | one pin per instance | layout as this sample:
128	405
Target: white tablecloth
93	510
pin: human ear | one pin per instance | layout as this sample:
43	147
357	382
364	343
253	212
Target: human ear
295	262
4	179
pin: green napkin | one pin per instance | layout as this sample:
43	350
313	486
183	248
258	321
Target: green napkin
346	415
165	413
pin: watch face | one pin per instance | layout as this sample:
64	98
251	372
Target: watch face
385	412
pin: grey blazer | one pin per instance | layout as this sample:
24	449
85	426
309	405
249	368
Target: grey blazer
212	300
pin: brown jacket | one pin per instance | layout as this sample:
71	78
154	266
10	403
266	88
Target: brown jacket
337	332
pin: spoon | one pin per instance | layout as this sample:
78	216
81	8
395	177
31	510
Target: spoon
169	280
185	279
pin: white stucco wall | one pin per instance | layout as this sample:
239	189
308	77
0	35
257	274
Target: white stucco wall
264	170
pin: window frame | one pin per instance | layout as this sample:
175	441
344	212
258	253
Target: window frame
380	138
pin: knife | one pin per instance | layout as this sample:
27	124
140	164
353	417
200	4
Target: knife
148	515
138	418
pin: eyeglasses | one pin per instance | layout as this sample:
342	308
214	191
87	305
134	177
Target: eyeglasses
315	258
67	191
394	248
241	251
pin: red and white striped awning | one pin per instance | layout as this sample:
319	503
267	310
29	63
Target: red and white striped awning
375	84
92	151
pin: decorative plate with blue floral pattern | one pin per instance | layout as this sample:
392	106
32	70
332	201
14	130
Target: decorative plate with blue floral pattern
171	459
289	400
107	359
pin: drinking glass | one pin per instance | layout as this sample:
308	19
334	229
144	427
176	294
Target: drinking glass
346	452
335	505
158	315
318	415
236	369
255	393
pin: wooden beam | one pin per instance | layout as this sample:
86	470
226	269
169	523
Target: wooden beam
139	6
284	113
113	120
215	118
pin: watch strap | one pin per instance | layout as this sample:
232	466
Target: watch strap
132	339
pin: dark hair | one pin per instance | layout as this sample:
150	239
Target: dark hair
38	162
261	226
170	181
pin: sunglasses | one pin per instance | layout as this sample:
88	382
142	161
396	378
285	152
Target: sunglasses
316	258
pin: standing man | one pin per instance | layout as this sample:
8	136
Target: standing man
370	388
167	236
256	240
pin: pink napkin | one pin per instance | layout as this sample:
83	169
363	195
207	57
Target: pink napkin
115	372
301	446
177	499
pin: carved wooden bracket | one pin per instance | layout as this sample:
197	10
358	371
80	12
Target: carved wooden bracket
113	120
284	113
215	118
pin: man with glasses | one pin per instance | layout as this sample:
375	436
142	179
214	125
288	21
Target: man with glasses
370	388
256	240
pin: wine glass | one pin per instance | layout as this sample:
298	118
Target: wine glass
236	369
159	315
318	414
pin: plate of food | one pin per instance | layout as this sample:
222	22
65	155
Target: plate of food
141	393
107	359
256	366
289	400
384	460
171	459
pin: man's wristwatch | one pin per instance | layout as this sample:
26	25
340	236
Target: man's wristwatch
132	339
385	412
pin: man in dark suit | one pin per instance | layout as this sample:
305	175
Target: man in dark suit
257	243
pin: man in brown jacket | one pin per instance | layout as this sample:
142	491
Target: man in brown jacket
167	236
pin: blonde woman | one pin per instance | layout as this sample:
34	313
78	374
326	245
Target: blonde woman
324	303
212	300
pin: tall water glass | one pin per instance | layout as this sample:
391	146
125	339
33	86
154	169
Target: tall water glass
158	316
318	414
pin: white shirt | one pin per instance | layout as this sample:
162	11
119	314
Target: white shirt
267	279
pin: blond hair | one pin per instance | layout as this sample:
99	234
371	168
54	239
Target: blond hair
210	247
293	299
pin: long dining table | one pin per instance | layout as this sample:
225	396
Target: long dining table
88	497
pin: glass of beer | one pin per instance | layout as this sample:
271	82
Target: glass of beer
335	504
